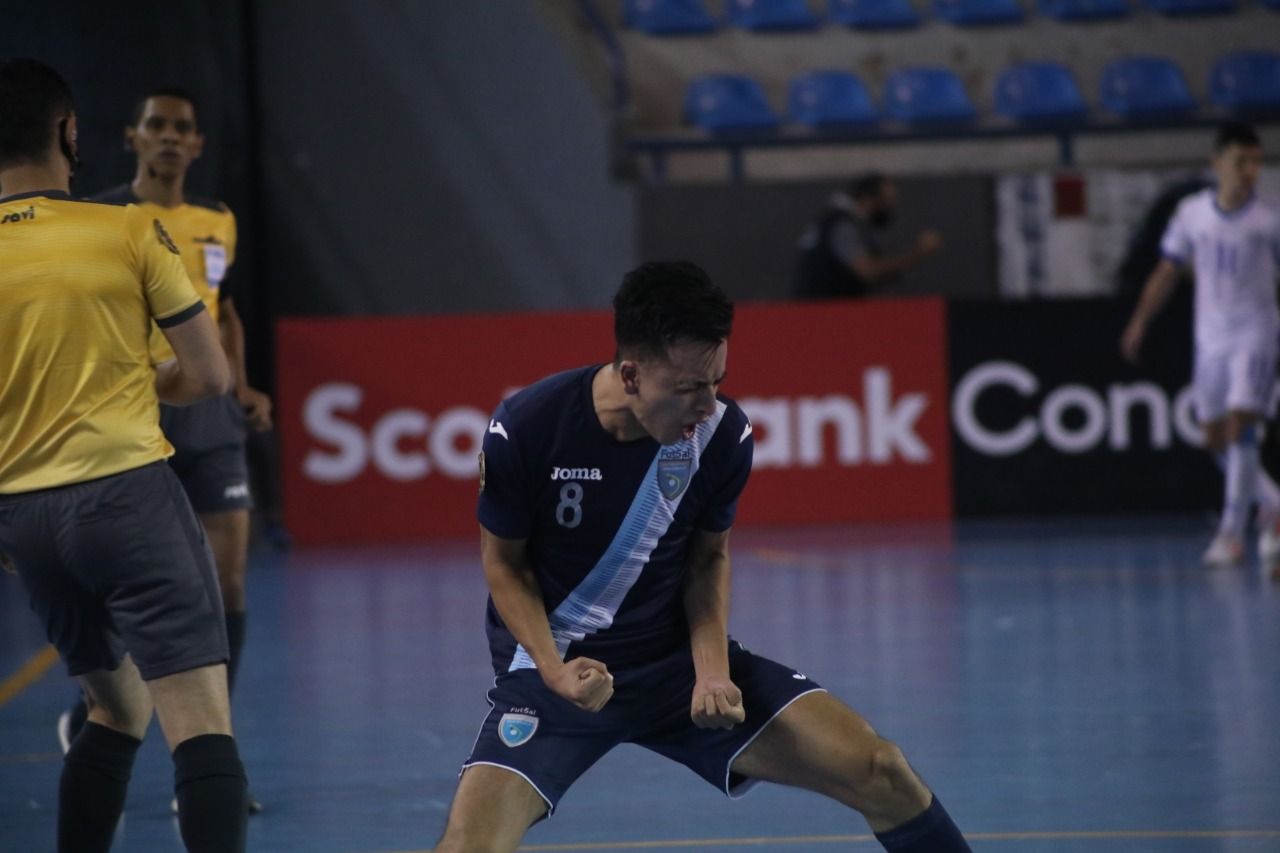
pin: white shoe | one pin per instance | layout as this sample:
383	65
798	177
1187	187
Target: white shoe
1269	540
64	731
1226	549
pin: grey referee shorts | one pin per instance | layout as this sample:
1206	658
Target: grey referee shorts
116	565
208	439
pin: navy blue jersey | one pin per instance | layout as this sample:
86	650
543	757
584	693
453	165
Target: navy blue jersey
607	523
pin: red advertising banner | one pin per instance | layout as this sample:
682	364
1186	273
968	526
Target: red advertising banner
382	418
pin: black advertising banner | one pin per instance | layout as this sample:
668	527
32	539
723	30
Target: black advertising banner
1047	417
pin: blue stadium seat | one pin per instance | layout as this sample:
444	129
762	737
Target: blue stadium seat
923	95
1039	91
771	15
668	17
728	102
1086	10
1177	8
978	12
1138	86
1246	81
830	99
875	14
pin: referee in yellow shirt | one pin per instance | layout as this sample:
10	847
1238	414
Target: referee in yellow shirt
209	438
91	517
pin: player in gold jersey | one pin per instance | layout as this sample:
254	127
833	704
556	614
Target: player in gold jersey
209	437
91	517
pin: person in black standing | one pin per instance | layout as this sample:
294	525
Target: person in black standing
840	253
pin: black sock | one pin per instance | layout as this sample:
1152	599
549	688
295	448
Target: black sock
210	783
95	777
931	831
235	641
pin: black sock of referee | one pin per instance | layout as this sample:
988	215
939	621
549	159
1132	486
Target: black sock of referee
95	777
931	831
235	641
211	787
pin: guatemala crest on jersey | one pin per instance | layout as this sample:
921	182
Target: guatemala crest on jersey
675	467
516	729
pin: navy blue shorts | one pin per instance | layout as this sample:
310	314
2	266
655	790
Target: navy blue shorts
116	565
209	440
551	742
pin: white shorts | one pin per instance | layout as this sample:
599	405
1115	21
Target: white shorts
1230	380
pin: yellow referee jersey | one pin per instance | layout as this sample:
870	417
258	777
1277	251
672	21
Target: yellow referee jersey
205	232
80	284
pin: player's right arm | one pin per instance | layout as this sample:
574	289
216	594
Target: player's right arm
875	270
518	598
1176	247
198	369
1156	292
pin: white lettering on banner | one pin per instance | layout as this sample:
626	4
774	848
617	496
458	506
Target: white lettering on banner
319	415
876	431
403	444
1101	416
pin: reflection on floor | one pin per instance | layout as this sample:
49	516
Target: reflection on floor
1064	686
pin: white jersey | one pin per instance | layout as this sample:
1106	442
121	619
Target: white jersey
1234	257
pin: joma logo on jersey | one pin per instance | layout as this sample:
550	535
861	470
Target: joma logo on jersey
19	215
576	474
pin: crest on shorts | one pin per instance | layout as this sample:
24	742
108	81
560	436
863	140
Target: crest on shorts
516	729
165	239
674	473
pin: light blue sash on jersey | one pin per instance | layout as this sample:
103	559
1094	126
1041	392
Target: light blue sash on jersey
591	606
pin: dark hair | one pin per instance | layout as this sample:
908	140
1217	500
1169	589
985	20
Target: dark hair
32	98
1235	133
164	92
867	186
661	304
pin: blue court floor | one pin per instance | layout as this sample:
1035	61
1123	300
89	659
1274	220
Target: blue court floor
1066	686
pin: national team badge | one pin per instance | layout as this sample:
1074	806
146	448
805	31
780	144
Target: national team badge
516	729
164	238
673	476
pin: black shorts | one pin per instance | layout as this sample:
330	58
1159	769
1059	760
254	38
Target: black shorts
116	565
550	742
208	439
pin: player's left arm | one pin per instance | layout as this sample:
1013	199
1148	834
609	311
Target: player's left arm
257	405
717	701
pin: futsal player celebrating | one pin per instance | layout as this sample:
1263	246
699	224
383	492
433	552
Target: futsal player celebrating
607	495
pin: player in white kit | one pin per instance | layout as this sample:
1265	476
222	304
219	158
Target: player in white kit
1230	241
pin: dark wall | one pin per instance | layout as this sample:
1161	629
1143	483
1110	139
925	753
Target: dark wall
746	234
434	157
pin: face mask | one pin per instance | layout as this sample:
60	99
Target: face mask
67	151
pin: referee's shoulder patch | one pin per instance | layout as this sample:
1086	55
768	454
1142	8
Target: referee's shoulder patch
164	238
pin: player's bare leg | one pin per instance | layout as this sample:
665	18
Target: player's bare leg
1233	440
492	809
228	534
820	744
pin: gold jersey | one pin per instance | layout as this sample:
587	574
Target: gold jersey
80	286
205	233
